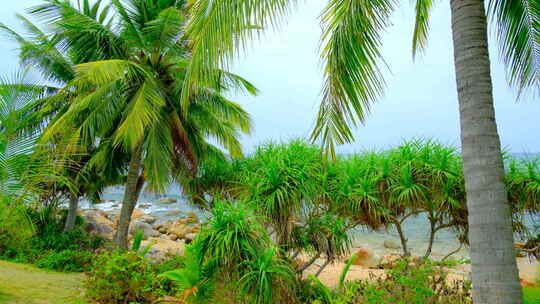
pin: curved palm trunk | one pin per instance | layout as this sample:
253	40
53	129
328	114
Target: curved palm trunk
494	270
131	195
72	213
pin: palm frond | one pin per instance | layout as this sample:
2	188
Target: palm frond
517	25
351	53
142	113
220	30
421	25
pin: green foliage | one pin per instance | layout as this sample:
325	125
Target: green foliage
231	236
278	178
266	277
16	228
121	277
66	261
143	92
531	295
345	271
233	247
50	233
172	263
195	281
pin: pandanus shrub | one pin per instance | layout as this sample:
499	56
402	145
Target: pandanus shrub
233	248
294	191
281	180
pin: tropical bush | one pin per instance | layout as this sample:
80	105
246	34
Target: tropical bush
233	246
121	277
66	260
306	201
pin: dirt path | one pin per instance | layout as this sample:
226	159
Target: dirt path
23	284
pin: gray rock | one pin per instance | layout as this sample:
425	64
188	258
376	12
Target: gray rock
149	219
173	213
98	228
391	244
145	227
168	200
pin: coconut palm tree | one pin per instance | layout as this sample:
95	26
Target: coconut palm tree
128	95
42	52
351	50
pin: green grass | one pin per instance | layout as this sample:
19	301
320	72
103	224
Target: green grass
531	295
25	284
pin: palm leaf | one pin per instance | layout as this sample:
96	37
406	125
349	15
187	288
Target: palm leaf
351	53
421	25
517	25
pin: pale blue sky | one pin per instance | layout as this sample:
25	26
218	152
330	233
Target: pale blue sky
420	100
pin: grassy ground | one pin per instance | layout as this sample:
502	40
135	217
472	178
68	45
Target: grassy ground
25	284
531	295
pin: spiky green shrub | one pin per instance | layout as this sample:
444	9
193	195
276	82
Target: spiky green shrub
231	235
233	248
266	278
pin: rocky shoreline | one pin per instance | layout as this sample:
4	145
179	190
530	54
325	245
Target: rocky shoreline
165	238
169	237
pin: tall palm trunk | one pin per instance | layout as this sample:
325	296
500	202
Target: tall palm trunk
131	195
494	270
72	213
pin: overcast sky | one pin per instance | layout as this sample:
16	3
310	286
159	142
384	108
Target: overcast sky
420	100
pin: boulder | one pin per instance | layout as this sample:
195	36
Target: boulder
196	228
137	214
182	221
145	205
192	217
168	200
173	213
145	227
99	229
149	219
178	229
97	222
173	237
366	258
167	247
389	261
391	244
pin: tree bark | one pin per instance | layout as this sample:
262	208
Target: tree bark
432	231
402	238
309	263
494	270
72	213
323	266
131	195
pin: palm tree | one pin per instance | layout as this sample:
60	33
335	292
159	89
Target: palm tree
128	95
42	52
351	50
